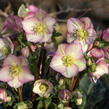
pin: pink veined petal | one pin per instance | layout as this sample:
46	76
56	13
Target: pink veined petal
26	75
71	72
28	24
15	83
4	75
34	37
10	60
57	64
87	22
81	64
61	49
91	36
30	15
46	38
49	21
73	25
74	50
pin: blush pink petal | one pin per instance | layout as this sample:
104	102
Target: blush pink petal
29	15
81	64
4	75
73	25
57	64
46	38
10	60
34	37
87	22
106	35
33	8
15	83
71	71
26	75
74	50
28	24
49	21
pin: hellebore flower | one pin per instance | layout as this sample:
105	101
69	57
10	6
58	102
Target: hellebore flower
82	31
38	27
105	35
68	60
12	26
65	95
97	52
15	71
3	96
6	47
43	88
101	69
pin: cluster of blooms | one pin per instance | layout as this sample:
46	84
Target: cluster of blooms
69	59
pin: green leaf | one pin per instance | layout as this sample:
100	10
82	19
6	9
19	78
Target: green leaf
40	105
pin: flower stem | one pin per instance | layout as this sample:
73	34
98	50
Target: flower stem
20	93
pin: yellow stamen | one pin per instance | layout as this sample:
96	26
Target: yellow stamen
40	28
15	70
5	50
43	87
68	60
82	33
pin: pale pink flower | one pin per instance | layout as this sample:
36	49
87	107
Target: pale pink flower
68	60
38	26
105	35
15	71
43	87
82	31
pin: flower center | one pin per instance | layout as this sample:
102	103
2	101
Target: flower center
15	70
43	87
40	28
82	33
5	50
68	60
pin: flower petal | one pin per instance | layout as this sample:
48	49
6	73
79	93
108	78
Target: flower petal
49	21
10	60
74	50
33	8
4	74
28	24
46	38
26	75
57	64
73	25
34	37
71	71
87	22
81	64
15	83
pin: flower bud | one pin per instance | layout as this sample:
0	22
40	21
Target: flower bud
79	101
25	52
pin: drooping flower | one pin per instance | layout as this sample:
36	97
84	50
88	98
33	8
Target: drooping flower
15	71
68	60
6	47
101	69
82	31
65	95
12	26
3	96
96	52
43	88
38	26
105	35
